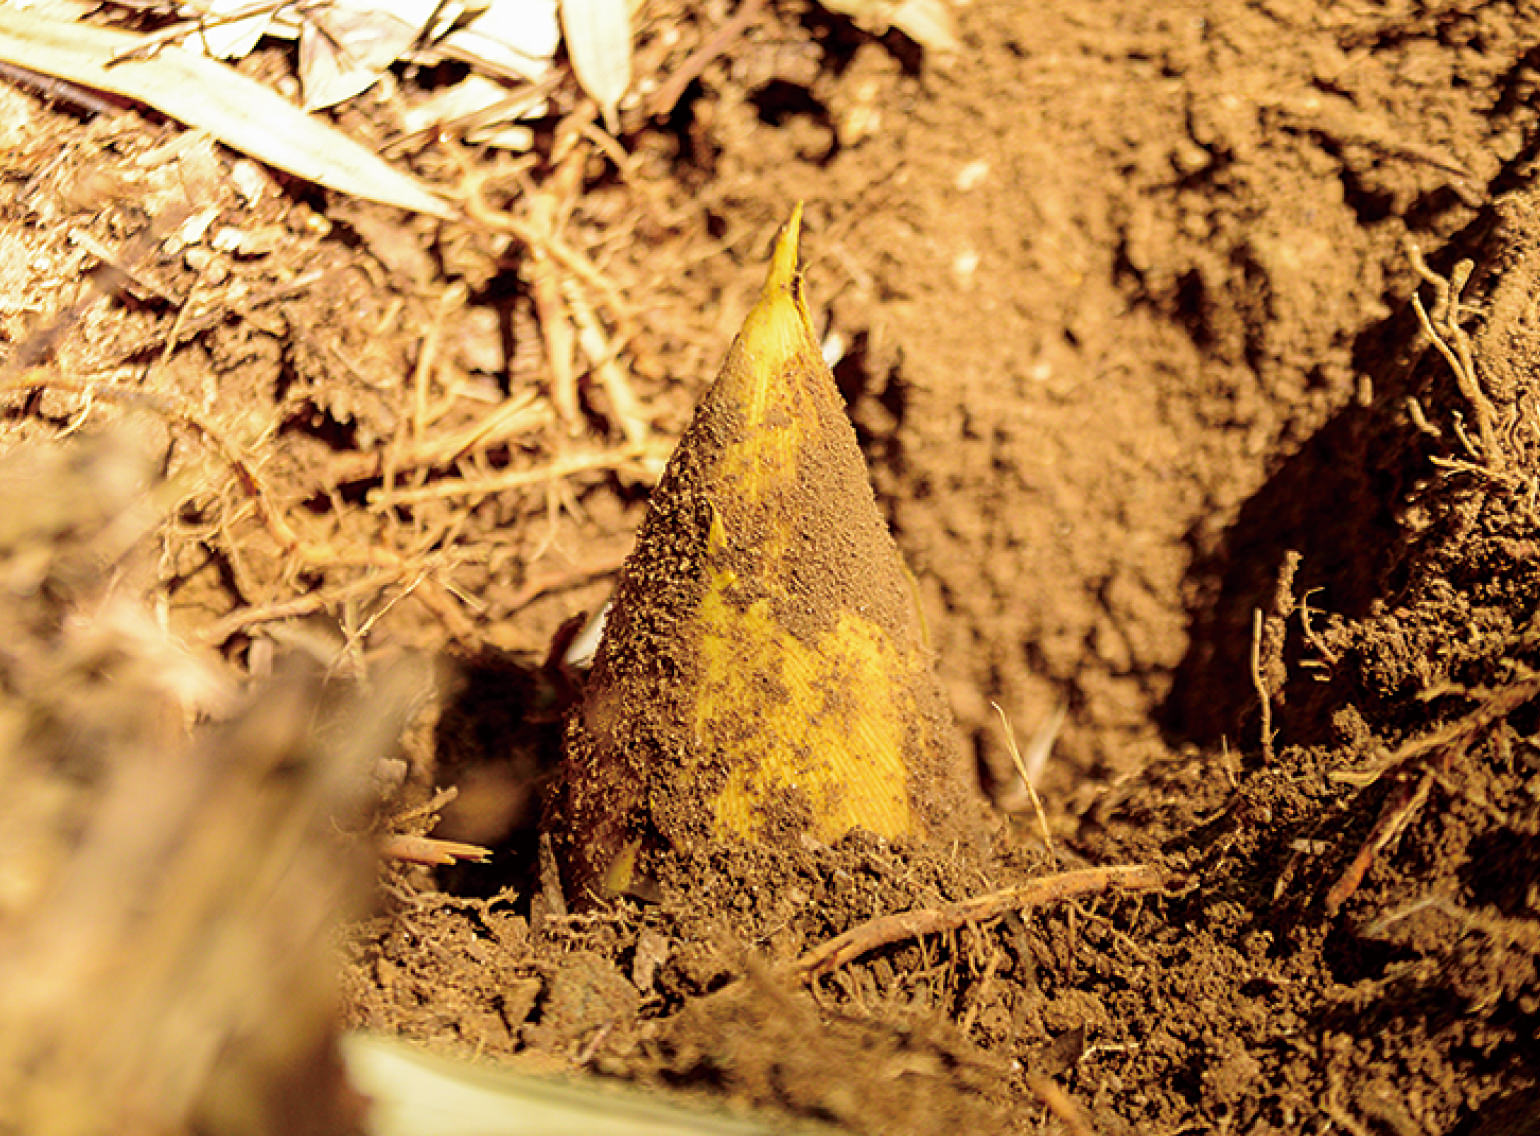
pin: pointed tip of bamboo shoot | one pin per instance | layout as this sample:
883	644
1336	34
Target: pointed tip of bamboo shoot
783	274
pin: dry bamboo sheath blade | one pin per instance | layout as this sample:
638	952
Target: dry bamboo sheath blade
764	673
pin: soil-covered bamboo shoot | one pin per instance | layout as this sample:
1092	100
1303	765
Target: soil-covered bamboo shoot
763	674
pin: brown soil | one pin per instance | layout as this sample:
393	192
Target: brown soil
1125	294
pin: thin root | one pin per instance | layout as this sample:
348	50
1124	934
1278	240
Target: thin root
1396	813
887	929
1452	341
1456	735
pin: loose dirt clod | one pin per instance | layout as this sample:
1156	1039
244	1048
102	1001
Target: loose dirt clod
764	674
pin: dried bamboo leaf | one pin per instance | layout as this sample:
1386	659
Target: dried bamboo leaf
598	36
510	38
345	46
232	39
206	94
343	51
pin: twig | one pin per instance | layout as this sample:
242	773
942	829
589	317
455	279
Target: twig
308	604
427	359
176	408
560	339
937	920
103	280
128	278
478	210
179	321
623	401
514	416
440	799
314	554
197	325
525	99
538	585
1405	799
83	99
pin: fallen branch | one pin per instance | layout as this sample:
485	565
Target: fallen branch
887	929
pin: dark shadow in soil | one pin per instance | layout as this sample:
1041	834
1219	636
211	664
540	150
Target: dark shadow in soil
498	740
1512	1114
1332	502
877	404
1335	501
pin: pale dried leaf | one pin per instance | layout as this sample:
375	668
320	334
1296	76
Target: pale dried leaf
231	39
345	47
54	9
928	22
598	36
511	37
343	52
484	107
506	136
204	93
415	1093
474	95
